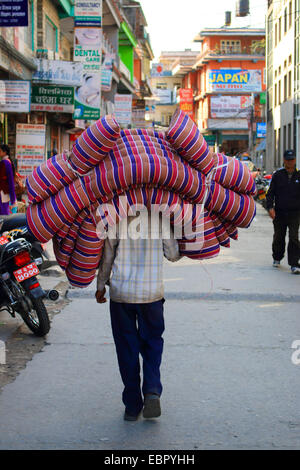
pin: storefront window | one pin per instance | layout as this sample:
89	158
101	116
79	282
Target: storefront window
51	35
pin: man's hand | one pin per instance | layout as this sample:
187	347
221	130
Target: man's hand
272	213
100	296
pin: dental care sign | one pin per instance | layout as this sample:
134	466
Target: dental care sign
235	80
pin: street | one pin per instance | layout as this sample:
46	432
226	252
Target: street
230	371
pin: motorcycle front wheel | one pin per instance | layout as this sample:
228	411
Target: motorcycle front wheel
37	318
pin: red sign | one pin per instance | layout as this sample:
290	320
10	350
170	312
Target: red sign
186	101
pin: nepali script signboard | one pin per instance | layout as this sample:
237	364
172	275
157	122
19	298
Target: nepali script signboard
52	98
30	147
235	80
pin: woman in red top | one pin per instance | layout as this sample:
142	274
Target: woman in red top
7	184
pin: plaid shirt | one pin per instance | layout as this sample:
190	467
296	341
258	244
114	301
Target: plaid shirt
135	265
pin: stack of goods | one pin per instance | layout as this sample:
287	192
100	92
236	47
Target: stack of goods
74	198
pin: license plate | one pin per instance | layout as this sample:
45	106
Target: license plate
3	240
26	272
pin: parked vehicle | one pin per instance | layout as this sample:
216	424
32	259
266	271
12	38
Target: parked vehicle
20	290
15	227
262	185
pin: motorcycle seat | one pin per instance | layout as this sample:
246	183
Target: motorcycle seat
11	222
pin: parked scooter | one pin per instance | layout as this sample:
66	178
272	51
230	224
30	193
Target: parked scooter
262	185
20	290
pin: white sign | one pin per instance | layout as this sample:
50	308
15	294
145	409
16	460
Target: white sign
123	105
58	72
230	106
165	96
227	124
14	96
30	147
88	13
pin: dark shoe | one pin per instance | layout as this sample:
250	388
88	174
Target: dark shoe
151	406
276	263
129	417
295	269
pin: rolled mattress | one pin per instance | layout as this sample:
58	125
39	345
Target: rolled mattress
74	198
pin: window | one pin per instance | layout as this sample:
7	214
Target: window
290	84
275	94
276	34
279	92
279	147
51	35
230	47
290	136
290	14
279	29
284	138
285	21
285	91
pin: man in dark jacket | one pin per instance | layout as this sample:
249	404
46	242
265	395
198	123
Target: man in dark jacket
283	204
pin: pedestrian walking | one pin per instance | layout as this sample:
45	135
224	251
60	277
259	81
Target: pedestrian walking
8	200
136	309
283	204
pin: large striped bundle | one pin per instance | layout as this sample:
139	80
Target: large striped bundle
74	198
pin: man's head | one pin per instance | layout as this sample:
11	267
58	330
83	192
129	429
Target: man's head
289	160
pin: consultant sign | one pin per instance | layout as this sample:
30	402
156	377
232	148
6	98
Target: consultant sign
235	80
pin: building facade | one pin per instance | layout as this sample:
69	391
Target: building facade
282	53
228	80
44	59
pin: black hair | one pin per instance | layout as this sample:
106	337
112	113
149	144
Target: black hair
5	149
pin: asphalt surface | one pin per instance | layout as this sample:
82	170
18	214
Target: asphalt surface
229	377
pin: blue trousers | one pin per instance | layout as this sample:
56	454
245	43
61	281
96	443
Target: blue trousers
137	329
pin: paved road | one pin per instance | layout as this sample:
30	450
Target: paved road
228	376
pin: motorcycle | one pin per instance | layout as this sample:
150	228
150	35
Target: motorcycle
262	186
20	290
16	227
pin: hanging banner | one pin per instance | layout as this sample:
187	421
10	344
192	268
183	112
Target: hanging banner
186	100
30	147
235	80
88	13
230	106
14	96
52	98
106	71
123	105
58	72
13	13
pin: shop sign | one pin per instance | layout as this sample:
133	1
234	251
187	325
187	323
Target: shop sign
165	95
30	147
261	130
158	70
235	80
14	96
186	100
13	13
231	124
58	72
229	106
88	13
52	98
106	71
123	109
